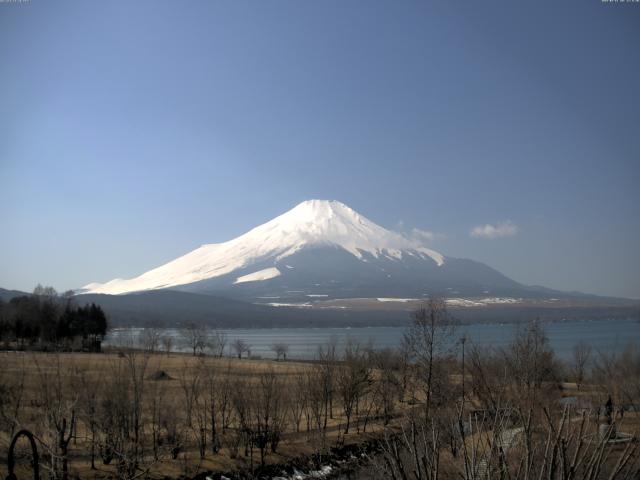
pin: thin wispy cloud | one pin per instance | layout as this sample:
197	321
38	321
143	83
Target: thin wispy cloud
426	235
418	234
499	230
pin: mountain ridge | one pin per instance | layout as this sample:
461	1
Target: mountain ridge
312	223
323	249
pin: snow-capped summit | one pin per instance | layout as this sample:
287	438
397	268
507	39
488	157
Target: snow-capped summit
329	222
261	254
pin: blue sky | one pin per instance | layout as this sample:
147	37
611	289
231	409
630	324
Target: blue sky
132	132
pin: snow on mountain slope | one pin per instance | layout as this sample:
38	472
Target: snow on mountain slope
309	224
258	276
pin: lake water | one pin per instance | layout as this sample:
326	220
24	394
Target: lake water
603	335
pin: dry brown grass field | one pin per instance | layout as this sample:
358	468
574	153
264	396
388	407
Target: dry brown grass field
174	395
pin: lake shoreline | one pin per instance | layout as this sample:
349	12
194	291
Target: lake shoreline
605	335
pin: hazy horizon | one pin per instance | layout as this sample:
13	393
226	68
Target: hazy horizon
502	132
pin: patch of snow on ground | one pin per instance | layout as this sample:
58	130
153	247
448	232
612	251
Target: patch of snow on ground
481	302
402	300
492	300
299	305
463	302
324	472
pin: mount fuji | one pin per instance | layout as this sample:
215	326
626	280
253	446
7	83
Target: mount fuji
319	250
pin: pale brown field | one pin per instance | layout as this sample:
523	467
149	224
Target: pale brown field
66	379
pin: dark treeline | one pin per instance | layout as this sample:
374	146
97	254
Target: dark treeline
47	319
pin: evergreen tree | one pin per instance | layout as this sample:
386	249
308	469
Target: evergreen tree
49	318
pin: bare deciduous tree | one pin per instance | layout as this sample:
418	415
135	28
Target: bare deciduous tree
212	403
155	406
167	343
216	343
580	361
317	401
327	361
90	394
619	373
12	389
240	347
530	362
149	339
519	433
280	349
297	399
195	338
428	340
387	388
353	379
60	401
190	380
268	413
